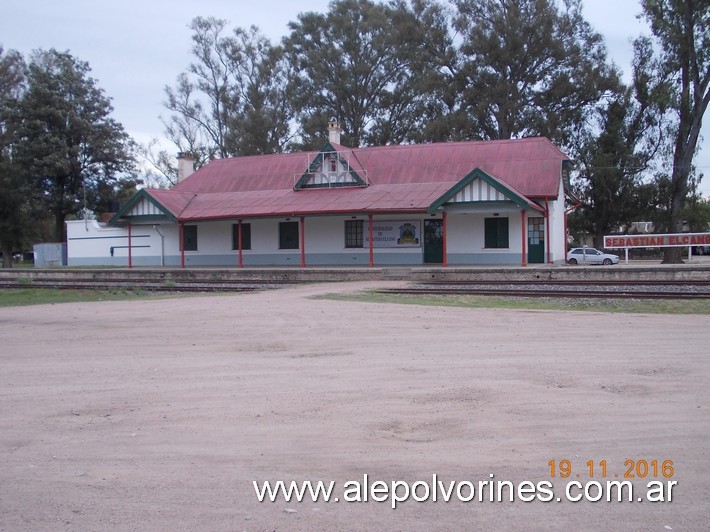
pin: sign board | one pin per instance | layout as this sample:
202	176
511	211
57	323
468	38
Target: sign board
657	241
394	234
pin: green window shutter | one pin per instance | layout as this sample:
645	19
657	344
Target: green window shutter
503	233
189	236
246	236
353	233
288	235
496	233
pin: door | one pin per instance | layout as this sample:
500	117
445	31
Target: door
433	241
536	240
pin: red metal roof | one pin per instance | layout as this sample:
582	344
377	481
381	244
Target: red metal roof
400	178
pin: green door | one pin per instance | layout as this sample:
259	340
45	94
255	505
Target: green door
433	241
536	240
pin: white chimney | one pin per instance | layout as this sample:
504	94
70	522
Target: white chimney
186	165
334	131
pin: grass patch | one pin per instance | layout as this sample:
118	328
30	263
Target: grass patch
42	296
641	306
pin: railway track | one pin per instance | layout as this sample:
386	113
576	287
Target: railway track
538	282
148	285
672	289
636	289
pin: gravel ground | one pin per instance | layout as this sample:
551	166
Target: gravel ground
158	415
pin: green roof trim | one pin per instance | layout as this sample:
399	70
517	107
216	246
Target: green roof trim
482	203
477	173
328	148
137	198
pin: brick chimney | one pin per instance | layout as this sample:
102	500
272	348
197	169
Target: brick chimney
186	165
334	131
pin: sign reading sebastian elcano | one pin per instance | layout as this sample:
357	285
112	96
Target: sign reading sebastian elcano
661	241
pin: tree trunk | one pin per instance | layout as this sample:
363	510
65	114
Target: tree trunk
6	255
59	226
674	255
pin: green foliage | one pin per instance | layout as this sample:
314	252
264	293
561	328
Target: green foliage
66	142
616	153
14	205
695	214
520	68
681	29
232	100
354	63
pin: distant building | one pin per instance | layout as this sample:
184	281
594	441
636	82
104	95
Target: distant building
492	202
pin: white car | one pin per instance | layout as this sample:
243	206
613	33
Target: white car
590	256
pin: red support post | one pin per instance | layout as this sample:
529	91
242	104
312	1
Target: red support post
182	245
443	216
239	243
130	257
372	251
303	242
547	230
524	231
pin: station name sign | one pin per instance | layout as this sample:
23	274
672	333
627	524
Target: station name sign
395	234
658	241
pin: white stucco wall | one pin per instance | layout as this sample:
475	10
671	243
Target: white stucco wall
466	236
558	237
90	243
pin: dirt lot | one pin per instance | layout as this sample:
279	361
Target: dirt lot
158	415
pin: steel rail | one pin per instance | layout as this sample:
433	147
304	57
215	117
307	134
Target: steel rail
578	294
567	282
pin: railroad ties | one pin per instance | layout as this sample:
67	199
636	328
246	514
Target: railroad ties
630	289
171	285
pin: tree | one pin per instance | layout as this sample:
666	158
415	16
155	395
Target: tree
232	100
67	142
354	63
13	201
520	68
161	170
682	30
438	64
695	213
619	148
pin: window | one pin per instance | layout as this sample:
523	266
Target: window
288	235
246	236
189	237
536	231
353	233
496	233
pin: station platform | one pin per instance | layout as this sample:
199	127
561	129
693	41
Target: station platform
698	269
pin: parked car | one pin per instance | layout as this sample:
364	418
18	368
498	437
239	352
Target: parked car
701	250
590	256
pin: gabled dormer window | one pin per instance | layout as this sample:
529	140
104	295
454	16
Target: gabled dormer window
330	169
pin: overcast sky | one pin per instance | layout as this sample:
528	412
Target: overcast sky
135	48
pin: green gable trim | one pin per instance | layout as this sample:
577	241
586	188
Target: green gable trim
328	148
483	203
477	173
137	198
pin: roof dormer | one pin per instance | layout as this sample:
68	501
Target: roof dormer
330	169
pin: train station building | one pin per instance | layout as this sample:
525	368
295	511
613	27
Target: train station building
462	203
